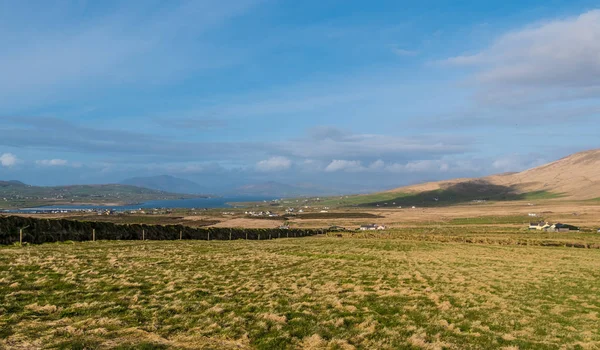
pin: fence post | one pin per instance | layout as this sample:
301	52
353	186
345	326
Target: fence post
208	235
259	236
246	234
143	235
93	235
180	235
21	234
230	234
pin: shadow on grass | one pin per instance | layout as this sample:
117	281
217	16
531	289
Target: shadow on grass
463	192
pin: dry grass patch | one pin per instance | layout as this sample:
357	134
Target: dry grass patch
319	293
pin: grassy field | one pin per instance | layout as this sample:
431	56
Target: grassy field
537	195
501	219
445	197
387	290
146	219
329	216
359	200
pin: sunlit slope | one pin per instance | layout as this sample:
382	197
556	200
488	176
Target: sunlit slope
576	177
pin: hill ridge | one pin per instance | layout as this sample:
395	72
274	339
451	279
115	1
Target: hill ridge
16	194
576	176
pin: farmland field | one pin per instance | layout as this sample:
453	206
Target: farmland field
381	290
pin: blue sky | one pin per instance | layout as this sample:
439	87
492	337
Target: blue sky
352	95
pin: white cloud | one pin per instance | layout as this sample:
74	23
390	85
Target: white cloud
331	143
8	160
312	165
378	164
563	52
425	166
57	134
344	165
517	162
439	166
52	162
420	166
274	164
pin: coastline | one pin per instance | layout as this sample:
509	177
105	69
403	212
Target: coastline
50	203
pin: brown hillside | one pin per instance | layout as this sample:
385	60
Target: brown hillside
576	177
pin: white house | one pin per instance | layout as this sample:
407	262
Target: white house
372	227
539	226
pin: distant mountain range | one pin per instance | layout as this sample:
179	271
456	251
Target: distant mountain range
16	194
167	183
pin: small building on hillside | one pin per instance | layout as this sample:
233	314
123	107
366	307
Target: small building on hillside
540	226
558	227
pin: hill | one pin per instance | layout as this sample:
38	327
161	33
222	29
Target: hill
15	194
576	177
12	182
166	183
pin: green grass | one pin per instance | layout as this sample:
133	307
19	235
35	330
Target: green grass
146	219
455	194
537	195
357	200
409	288
335	215
465	194
492	220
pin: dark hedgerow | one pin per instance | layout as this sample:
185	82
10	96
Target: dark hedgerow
59	230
